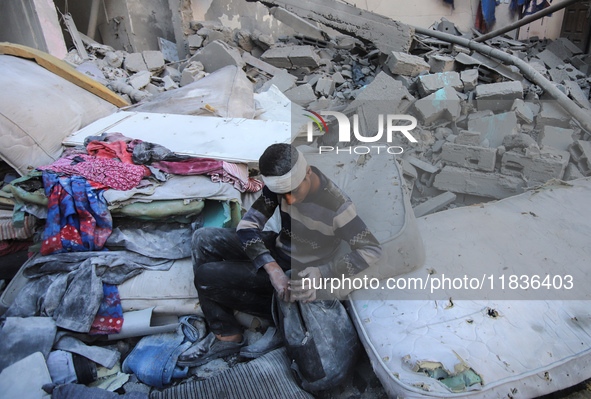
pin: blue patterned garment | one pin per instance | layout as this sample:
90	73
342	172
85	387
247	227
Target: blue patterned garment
109	318
78	218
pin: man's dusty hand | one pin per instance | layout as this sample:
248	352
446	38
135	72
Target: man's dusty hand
279	280
307	293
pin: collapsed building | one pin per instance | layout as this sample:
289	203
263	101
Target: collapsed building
487	130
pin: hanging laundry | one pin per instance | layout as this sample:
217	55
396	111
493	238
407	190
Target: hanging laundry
78	218
111	173
485	16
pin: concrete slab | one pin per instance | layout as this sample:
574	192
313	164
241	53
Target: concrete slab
434	204
302	95
549	59
154	60
490	185
278	57
428	84
217	55
552	114
386	34
494	128
195	42
577	95
300	25
498	97
283	80
556	137
406	64
304	56
134	62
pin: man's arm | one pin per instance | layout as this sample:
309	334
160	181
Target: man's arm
365	248
249	231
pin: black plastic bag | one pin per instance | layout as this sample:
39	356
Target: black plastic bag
320	339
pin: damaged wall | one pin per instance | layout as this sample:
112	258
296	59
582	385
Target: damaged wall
32	23
239	14
425	13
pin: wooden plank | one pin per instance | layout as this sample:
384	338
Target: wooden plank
63	70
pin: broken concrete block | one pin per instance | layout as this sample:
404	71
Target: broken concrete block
572	173
217	55
550	164
243	40
424	166
556	137
283	80
140	80
303	56
520	141
469	78
278	57
444	104
153	89
465	181
466	137
195	42
441	63
405	64
325	87
154	60
173	73
169	83
498	96
580	152
301	95
114	59
338	78
434	204
549	58
134	62
262	40
428	84
470	157
300	25
494	128
192	73
552	114
522	111
578	96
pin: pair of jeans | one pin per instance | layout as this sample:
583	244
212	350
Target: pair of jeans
227	280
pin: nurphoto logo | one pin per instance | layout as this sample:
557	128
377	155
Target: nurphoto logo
344	126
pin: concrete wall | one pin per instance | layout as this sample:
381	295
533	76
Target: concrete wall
239	14
32	23
424	13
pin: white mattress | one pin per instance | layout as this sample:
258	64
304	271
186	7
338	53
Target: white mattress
519	343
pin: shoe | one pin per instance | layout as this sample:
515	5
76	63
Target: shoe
209	348
270	341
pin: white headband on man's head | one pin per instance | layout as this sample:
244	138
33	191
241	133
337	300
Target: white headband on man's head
289	181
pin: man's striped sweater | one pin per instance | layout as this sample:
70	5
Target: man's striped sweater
311	231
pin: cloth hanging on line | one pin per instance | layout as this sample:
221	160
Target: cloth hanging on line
77	215
485	16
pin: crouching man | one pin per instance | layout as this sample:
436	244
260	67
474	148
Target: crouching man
240	269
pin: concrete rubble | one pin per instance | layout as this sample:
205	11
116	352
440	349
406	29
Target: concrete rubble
485	132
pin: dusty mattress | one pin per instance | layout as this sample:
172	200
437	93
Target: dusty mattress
489	342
